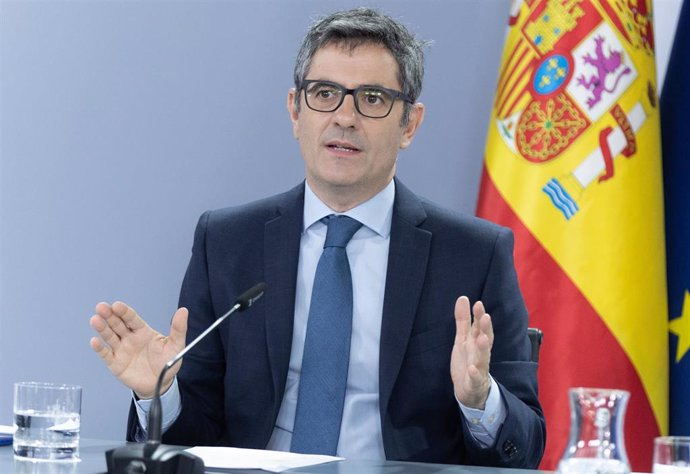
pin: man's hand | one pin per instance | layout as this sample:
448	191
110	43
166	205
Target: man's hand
469	362
133	351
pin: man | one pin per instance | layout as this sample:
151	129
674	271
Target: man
418	383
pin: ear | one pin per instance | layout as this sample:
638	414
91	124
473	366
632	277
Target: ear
415	120
292	110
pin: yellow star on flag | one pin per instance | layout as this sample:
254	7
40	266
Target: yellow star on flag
680	326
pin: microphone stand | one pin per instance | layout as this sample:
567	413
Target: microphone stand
153	457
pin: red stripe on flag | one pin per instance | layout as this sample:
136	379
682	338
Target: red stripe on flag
511	108
512	79
578	350
613	16
504	74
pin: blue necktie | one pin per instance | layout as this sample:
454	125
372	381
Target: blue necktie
327	346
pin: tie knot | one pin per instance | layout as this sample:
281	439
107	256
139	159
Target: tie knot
340	230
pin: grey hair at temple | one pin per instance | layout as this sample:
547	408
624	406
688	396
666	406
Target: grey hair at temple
352	28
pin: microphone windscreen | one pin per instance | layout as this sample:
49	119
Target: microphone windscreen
249	297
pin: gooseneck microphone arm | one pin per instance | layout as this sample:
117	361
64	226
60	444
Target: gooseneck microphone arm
152	456
155	417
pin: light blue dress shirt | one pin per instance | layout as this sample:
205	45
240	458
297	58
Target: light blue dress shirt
360	432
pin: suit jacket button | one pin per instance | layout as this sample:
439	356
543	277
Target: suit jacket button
509	448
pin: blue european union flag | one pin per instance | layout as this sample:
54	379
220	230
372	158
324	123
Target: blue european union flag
675	136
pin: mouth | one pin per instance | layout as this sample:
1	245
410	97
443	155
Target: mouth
342	147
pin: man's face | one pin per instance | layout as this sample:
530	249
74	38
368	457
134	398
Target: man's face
348	157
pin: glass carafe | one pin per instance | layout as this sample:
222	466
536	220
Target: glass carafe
596	444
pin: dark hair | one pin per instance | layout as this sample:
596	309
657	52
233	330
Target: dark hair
353	28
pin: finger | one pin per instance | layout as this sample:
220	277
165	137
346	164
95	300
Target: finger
104	310
108	335
112	319
178	327
478	309
482	331
462	318
97	323
102	350
131	320
484	342
477	312
487	327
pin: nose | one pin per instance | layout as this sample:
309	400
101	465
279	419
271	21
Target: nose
346	114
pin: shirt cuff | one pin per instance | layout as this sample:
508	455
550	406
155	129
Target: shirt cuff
171	407
484	424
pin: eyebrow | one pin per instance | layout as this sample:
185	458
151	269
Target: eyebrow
366	84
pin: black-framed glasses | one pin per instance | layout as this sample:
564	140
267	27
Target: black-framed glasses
370	101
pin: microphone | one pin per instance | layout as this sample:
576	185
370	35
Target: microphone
153	457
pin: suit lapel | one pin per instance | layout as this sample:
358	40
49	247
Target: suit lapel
281	254
407	259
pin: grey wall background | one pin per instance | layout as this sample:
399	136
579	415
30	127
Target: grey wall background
122	121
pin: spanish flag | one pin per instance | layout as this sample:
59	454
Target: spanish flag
573	166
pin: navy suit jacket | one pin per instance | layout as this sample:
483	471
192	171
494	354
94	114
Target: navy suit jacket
232	384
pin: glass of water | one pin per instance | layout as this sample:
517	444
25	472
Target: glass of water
47	420
672	455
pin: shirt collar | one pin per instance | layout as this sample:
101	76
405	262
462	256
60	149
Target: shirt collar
376	213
